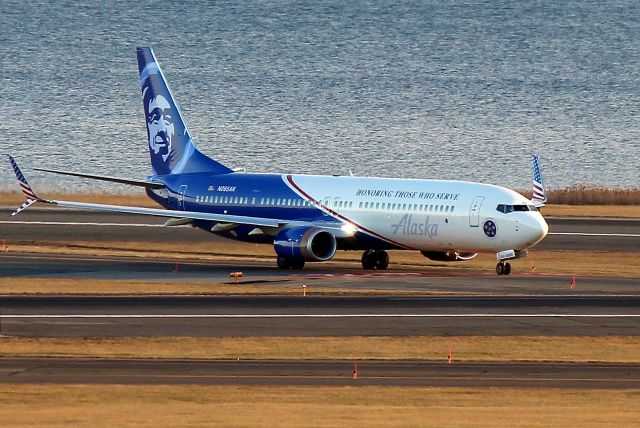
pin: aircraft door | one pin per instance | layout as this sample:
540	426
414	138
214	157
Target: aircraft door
474	211
183	190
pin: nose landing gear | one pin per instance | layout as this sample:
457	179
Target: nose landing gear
375	259
503	268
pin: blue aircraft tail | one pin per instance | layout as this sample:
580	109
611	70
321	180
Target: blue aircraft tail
171	147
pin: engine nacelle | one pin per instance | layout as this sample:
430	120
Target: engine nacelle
307	243
448	256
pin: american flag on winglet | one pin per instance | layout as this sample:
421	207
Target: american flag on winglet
538	187
26	189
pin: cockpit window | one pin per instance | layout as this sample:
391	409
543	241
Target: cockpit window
506	209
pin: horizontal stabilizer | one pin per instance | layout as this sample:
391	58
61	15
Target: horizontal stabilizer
148	184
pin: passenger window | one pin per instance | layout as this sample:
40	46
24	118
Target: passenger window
452	206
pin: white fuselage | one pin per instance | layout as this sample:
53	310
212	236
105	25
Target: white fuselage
429	215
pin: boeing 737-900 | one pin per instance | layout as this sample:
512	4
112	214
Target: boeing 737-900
307	218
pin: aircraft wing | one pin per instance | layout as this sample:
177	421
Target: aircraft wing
192	215
159	212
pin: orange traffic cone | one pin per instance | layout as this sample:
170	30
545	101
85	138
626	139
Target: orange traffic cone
450	357
533	266
355	371
573	282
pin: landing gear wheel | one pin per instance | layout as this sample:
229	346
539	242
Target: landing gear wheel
287	263
375	259
369	260
382	260
507	269
503	268
283	262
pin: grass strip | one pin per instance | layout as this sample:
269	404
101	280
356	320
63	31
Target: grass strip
164	405
612	349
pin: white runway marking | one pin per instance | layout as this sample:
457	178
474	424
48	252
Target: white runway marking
479	315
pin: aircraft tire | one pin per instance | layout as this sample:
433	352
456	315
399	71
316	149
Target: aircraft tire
382	260
507	269
500	268
288	263
283	263
369	260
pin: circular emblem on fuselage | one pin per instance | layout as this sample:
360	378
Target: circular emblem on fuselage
490	228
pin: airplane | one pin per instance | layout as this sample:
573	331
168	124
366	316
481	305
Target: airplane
307	218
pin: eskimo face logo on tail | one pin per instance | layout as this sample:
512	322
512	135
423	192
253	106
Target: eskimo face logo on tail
160	127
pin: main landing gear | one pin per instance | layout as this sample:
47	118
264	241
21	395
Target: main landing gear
375	259
289	263
503	268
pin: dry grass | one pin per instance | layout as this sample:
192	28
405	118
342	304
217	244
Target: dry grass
607	211
554	262
590	195
585	195
618	349
162	405
67	286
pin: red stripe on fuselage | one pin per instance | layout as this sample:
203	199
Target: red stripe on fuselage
340	216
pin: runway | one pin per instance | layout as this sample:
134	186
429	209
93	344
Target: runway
37	224
315	276
424	302
219	316
318	373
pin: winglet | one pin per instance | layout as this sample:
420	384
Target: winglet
539	195
24	186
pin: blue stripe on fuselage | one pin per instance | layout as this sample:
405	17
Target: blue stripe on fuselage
249	195
238	194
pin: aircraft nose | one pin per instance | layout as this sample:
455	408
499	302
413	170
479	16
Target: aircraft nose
536	228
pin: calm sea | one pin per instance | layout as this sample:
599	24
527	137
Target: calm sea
455	90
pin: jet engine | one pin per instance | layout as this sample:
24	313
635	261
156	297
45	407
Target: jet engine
448	256
307	243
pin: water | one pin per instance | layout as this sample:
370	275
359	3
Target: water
429	89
